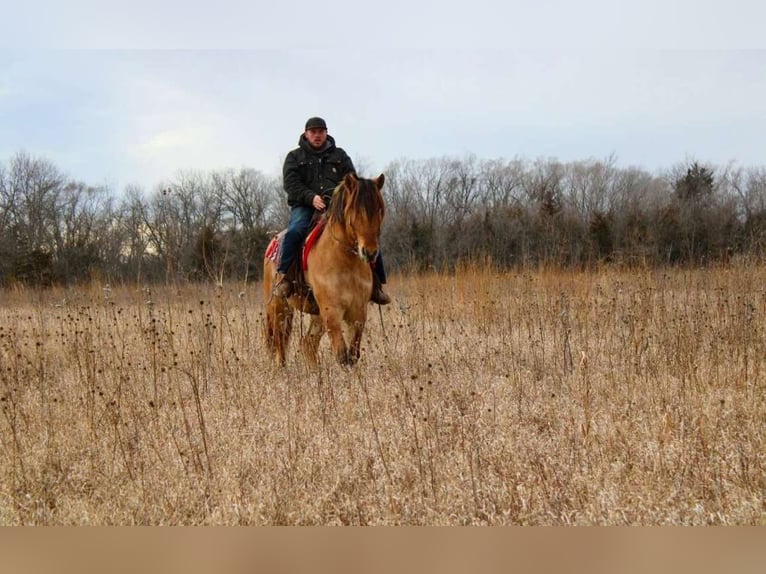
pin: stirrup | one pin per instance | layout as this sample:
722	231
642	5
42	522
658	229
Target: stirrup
282	287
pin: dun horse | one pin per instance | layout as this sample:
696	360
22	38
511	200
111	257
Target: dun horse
337	273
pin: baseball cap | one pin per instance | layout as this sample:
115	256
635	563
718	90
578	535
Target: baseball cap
313	123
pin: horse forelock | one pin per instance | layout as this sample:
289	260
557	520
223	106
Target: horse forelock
337	203
366	197
369	198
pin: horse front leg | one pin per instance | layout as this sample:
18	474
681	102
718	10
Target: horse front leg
338	343
354	331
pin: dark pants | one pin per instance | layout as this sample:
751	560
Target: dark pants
298	229
378	269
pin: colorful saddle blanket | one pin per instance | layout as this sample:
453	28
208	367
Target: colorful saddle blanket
274	249
310	240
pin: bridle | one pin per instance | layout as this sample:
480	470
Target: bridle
346	245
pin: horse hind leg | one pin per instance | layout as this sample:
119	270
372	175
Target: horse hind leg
277	329
310	341
272	337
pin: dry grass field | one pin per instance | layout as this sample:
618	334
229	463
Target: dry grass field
533	398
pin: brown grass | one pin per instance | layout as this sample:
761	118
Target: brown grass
482	398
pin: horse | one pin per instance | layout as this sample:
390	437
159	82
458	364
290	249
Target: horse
338	275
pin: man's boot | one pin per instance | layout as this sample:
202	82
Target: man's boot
378	295
282	287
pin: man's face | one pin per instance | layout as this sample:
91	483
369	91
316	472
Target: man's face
316	137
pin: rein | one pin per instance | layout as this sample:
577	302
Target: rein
345	244
382	326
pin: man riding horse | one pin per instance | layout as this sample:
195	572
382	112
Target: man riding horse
310	174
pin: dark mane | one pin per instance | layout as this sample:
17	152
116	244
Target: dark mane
367	199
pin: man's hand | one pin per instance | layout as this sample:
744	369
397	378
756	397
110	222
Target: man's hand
318	203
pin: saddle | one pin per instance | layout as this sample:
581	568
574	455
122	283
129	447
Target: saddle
296	272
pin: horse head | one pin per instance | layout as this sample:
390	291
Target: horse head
359	207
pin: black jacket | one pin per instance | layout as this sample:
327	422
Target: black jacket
308	172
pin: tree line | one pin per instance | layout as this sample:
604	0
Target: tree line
214	226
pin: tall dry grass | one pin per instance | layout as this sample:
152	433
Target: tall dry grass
549	397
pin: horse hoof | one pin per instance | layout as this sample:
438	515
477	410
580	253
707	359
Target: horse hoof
344	359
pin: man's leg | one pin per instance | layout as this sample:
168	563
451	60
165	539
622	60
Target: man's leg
297	228
378	280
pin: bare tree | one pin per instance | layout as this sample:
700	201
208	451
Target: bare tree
747	189
502	183
31	207
35	188
244	197
82	236
137	258
586	186
248	199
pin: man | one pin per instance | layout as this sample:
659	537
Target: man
310	174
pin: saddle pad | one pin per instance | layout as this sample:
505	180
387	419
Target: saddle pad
274	250
310	240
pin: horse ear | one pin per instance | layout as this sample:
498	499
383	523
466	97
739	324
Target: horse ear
350	180
380	180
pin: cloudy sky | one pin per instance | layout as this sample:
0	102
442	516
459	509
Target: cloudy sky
134	96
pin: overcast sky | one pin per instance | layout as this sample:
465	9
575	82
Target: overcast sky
134	96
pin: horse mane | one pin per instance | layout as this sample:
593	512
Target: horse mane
367	198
